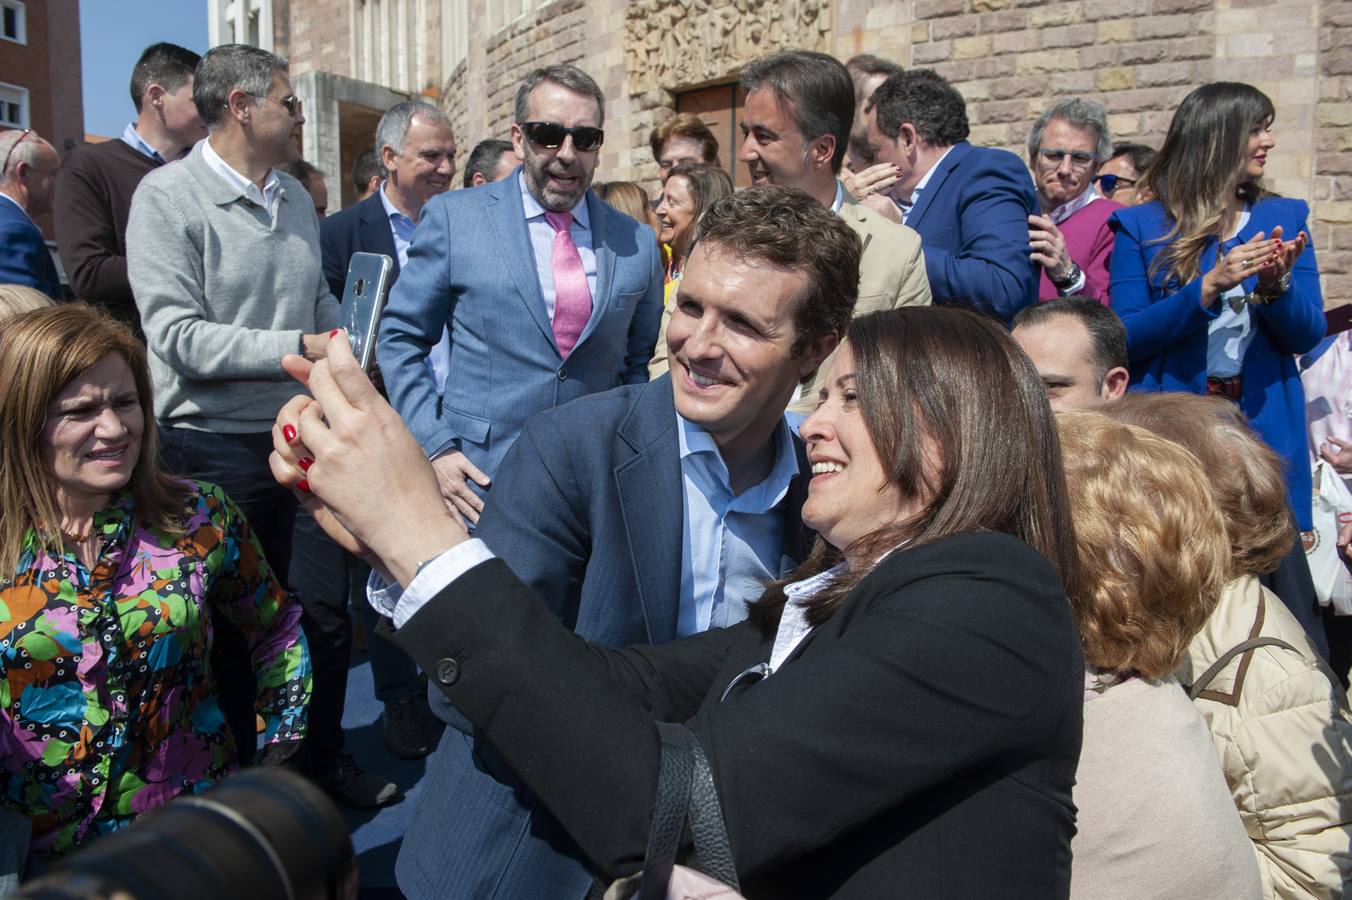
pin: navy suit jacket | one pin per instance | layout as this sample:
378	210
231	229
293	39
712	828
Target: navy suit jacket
589	512
972	218
24	258
470	268
361	228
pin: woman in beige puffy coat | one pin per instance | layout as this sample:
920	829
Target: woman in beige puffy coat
1278	718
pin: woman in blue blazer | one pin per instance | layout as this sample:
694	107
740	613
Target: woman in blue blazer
1214	278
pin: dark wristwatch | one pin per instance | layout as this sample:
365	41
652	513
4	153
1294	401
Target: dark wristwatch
1071	277
1273	292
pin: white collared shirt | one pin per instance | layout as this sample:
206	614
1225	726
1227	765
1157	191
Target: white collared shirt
1074	205
909	204
840	198
271	184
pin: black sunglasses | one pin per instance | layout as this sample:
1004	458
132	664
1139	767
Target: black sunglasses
1109	183
551	135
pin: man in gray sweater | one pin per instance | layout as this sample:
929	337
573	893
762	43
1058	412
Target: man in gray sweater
224	262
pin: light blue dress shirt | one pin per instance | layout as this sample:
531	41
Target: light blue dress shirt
132	138
401	227
542	243
731	545
1231	332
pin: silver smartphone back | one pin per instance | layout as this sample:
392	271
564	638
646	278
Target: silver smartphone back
368	284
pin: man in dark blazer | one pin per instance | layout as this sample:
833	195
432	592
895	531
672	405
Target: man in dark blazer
548	294
27	181
417	148
605	509
969	204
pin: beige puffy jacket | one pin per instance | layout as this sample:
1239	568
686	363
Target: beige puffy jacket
1281	728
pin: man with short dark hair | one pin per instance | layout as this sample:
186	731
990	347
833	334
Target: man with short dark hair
548	293
491	160
799	106
969	204
652	511
1070	237
367	173
28	166
96	181
1079	347
313	180
223	258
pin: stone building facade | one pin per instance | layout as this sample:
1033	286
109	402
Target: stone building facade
1010	58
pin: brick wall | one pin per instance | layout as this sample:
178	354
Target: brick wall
1333	153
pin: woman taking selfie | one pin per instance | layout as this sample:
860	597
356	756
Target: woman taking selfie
691	189
1215	279
911	693
112	574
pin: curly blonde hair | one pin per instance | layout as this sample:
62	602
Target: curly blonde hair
1150	540
1245	473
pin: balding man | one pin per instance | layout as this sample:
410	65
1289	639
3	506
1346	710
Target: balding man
27	179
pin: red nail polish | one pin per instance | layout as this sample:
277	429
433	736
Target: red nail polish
289	432
333	332
305	464
303	485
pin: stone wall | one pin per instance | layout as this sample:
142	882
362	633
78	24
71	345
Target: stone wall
1332	190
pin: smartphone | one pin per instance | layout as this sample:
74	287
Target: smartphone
368	284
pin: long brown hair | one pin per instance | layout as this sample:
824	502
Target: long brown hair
40	352
957	381
707	184
1201	168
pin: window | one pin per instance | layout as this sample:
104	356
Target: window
13	106
13	21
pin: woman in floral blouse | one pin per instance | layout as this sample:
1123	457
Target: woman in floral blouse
111	573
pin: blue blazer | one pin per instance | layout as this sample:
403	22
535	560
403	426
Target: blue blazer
24	257
1167	329
589	513
361	228
471	269
972	218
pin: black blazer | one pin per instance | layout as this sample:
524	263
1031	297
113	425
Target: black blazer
361	228
921	743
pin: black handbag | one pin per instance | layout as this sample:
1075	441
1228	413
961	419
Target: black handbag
685	792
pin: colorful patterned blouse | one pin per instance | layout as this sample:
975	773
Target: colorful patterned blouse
107	707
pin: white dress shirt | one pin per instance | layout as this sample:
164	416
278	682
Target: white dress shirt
264	198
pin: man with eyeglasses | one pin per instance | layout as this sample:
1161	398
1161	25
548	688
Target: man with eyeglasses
970	205
27	179
1070	240
547	293
224	262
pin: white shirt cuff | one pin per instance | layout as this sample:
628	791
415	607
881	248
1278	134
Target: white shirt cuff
401	604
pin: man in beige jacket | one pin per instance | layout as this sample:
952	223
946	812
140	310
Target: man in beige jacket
796	125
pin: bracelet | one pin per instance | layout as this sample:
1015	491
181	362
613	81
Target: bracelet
1070	278
1276	290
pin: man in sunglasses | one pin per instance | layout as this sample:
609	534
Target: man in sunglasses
1070	240
224	262
970	205
547	293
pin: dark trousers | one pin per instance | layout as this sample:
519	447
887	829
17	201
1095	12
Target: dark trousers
237	463
303	557
394	674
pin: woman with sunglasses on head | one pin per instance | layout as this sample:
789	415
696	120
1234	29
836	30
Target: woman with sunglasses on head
1215	279
114	579
691	189
900	715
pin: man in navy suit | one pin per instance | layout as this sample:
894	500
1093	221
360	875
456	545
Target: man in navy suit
547	293
969	204
649	512
415	144
27	180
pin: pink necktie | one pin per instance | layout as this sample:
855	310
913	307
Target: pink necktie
572	297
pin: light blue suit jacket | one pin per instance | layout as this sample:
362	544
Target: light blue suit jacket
470	268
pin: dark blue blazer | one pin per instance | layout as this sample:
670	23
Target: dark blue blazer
972	218
471	270
361	228
1167	329
588	512
24	257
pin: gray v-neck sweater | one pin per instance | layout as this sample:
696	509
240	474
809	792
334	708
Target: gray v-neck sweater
225	289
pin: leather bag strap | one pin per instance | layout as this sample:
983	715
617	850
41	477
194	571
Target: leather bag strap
1225	658
675	774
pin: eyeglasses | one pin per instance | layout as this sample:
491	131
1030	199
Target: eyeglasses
1079	159
551	135
1107	184
12	147
290	103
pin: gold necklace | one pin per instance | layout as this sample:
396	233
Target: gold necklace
76	538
